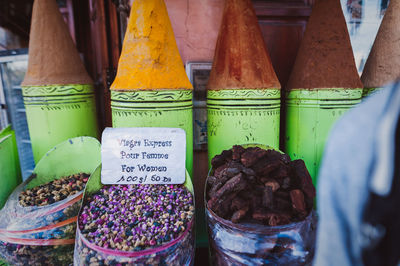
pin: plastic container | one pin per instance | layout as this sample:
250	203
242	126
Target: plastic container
10	172
158	108
180	251
57	113
242	116
310	116
238	244
48	237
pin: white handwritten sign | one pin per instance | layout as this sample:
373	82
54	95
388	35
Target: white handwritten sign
143	155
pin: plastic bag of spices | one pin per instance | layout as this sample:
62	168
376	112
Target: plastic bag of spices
259	208
135	224
38	221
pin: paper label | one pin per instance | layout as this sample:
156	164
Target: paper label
143	155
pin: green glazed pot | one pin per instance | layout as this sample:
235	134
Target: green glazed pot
242	117
10	172
310	115
56	113
161	108
369	91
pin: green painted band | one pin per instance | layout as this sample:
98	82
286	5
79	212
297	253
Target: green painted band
137	106
248	94
137	96
369	91
324	94
57	100
57	90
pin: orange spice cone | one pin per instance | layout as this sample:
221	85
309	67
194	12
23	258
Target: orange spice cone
58	92
324	83
243	97
383	63
151	88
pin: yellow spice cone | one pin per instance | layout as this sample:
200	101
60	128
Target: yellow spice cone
151	88
150	58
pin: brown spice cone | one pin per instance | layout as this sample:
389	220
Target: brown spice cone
325	58
241	60
383	63
53	58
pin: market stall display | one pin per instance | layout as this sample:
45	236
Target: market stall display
151	88
10	170
50	200
243	92
58	93
383	63
259	208
323	85
135	224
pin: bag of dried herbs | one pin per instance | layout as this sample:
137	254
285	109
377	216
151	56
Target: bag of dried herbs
38	221
135	224
259	208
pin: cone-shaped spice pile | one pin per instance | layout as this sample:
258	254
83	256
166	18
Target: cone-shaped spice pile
383	63
323	85
241	60
243	96
150	58
58	92
151	88
325	58
53	58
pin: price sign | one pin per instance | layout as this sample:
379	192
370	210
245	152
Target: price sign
146	155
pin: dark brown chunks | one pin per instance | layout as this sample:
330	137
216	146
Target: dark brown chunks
236	183
237	151
260	186
221	158
252	155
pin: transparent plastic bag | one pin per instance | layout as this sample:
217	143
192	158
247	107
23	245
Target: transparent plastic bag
38	235
180	251
177	252
13	216
45	235
233	244
37	252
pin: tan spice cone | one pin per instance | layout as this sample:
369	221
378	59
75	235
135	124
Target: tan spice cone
150	58
53	58
325	58
383	63
241	60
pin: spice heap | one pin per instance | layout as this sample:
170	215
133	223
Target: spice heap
383	63
53	191
241	60
260	186
136	217
325	58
